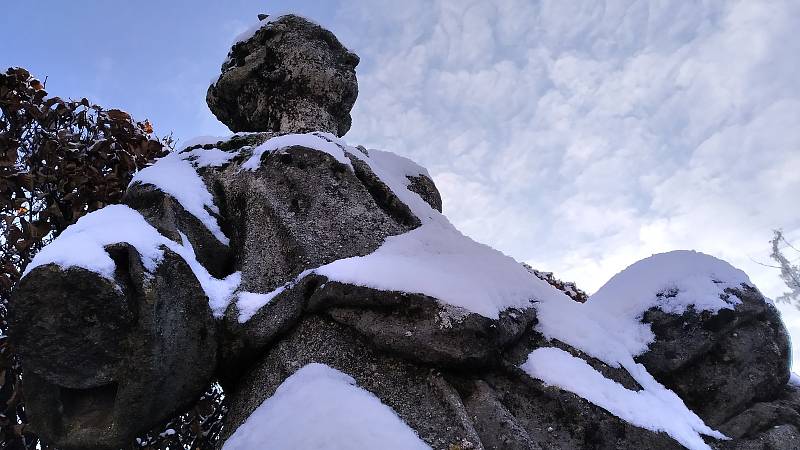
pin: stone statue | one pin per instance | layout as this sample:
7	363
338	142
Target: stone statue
290	76
220	282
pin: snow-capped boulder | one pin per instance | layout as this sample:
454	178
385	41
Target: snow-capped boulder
288	75
720	362
710	336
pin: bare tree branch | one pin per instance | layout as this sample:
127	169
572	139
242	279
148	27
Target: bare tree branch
790	274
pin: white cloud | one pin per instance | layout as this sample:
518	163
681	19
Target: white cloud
583	136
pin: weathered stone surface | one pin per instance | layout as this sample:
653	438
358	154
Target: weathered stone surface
76	316
417	327
292	76
720	363
496	426
553	418
418	394
778	437
426	189
507	410
420	328
167	216
244	343
300	210
762	416
102	361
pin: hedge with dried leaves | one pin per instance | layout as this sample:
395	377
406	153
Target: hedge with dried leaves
60	160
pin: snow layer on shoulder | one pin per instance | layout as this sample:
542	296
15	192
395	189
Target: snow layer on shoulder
176	175
654	408
83	245
320	407
313	141
393	170
434	259
437	260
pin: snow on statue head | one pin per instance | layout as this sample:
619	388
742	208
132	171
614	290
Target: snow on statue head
290	75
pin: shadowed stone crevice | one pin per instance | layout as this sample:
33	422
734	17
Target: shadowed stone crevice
383	196
168	216
420	328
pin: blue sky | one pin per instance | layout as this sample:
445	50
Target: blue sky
577	136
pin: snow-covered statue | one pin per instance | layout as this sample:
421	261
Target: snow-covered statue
322	285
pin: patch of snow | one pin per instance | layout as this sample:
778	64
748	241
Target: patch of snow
654	408
219	292
437	260
794	379
394	171
320	407
253	29
307	140
176	175
213	157
592	329
682	277
608	325
83	245
248	303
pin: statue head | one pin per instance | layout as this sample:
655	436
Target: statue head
291	76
